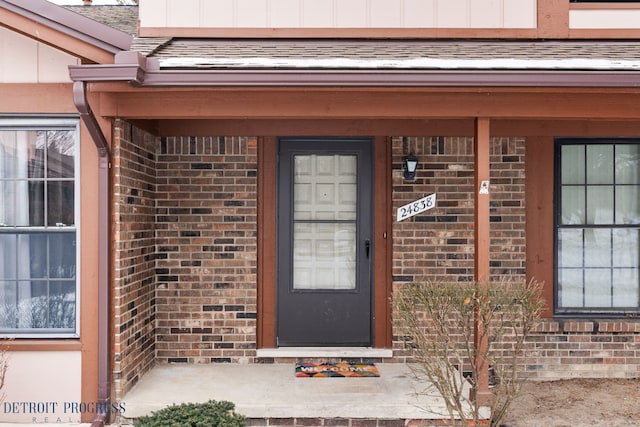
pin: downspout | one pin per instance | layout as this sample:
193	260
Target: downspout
90	121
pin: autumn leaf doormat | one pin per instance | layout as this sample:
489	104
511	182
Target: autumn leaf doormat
336	369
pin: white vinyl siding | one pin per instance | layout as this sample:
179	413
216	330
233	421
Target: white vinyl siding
338	14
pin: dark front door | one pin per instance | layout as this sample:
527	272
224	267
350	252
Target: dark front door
324	244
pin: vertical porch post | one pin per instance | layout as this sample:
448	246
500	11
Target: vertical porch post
482	245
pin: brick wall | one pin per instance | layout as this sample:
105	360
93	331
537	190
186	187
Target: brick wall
584	349
206	228
133	175
185	227
438	245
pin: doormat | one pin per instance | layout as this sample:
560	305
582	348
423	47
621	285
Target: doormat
336	369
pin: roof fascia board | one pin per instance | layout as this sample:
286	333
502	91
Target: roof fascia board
86	52
70	23
134	68
393	78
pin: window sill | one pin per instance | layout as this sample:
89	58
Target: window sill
21	344
597	316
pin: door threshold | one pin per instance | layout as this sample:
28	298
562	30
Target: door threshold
314	352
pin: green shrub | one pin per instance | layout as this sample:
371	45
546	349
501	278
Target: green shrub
209	414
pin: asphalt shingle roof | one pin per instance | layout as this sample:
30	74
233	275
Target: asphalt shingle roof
397	49
406	54
353	53
120	17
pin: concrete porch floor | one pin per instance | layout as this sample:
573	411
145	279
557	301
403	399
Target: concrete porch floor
271	391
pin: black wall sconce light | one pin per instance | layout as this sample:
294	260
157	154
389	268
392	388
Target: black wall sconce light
410	166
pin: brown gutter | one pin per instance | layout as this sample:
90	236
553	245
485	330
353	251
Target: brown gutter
90	121
396	78
134	68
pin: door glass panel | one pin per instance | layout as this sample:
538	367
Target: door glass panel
324	231
324	256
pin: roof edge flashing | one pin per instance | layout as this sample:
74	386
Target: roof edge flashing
70	23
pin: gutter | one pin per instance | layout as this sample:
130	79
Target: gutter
86	114
139	71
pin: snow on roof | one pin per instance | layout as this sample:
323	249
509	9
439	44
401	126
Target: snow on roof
404	64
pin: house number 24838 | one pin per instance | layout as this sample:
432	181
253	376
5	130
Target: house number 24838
414	208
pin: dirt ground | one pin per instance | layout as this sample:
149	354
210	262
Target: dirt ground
577	403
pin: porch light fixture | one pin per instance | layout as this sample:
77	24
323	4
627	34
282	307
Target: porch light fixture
410	165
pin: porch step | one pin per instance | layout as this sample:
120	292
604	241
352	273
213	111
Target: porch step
324	352
271	395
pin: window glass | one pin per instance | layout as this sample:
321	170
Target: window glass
573	204
599	164
627	204
324	240
627	164
598	237
599	204
38	250
572	169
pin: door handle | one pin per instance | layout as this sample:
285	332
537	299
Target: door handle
367	247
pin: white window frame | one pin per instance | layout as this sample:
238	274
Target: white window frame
53	122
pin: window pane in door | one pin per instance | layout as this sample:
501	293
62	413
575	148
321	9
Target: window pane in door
324	231
324	256
324	187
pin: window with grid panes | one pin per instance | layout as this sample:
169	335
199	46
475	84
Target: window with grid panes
597	226
38	227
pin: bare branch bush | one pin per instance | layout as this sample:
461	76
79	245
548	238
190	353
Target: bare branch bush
4	366
440	324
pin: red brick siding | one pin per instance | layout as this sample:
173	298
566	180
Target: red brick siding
133	226
185	227
437	245
585	349
206	227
